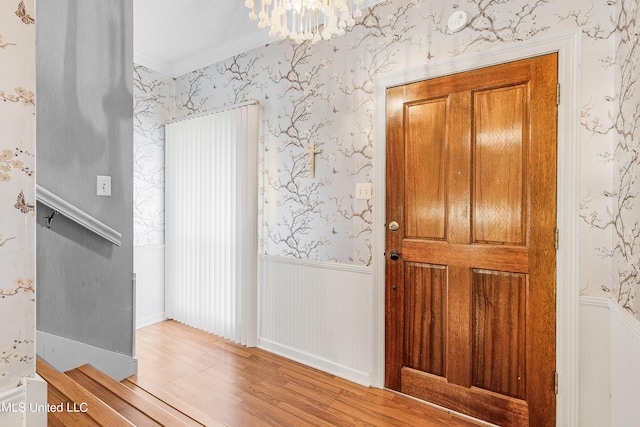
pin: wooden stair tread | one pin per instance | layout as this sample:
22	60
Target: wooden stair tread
188	414
132	405
122	407
96	409
63	419
175	402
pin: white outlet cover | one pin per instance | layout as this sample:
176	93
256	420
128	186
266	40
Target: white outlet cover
363	191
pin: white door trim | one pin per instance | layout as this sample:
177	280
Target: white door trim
568	47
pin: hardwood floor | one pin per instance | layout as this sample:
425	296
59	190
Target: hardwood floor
220	383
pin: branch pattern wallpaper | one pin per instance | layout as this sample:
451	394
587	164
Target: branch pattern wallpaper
153	106
323	94
17	192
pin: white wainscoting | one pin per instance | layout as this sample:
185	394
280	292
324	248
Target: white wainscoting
148	265
595	362
609	364
25	405
319	314
625	368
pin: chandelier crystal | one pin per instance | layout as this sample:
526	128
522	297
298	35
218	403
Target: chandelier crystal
302	20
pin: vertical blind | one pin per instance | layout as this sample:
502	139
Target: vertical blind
211	213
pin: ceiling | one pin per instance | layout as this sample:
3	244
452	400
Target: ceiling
178	36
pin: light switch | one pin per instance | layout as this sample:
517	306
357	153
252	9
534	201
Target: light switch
103	186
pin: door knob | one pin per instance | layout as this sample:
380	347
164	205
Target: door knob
394	255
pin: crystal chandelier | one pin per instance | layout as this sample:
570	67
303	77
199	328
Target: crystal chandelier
301	20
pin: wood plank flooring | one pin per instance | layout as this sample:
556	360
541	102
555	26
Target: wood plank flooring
219	383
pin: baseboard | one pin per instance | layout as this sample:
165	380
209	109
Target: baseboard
362	378
150	320
65	354
25	405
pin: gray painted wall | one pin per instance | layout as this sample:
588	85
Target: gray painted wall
84	113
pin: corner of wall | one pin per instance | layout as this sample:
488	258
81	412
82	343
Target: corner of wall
65	354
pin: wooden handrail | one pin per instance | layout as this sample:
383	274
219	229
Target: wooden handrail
61	206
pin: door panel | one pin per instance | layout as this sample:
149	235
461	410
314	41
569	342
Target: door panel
470	305
499	196
424	168
426	288
499	303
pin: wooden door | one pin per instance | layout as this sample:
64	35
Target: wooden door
470	297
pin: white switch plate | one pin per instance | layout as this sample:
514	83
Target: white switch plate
363	191
103	186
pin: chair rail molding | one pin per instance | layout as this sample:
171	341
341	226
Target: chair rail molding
61	206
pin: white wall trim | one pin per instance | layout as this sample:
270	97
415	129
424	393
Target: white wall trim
11	413
152	63
65	354
628	321
595	301
148	248
568	46
25	405
150	320
308	359
318	264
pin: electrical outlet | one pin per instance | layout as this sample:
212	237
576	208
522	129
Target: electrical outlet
103	186
363	191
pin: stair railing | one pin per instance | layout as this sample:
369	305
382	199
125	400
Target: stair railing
61	206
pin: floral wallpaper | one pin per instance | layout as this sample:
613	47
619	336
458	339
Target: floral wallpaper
153	106
322	94
621	216
17	192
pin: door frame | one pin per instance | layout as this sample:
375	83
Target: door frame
568	46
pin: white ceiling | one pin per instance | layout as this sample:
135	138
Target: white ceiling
179	36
